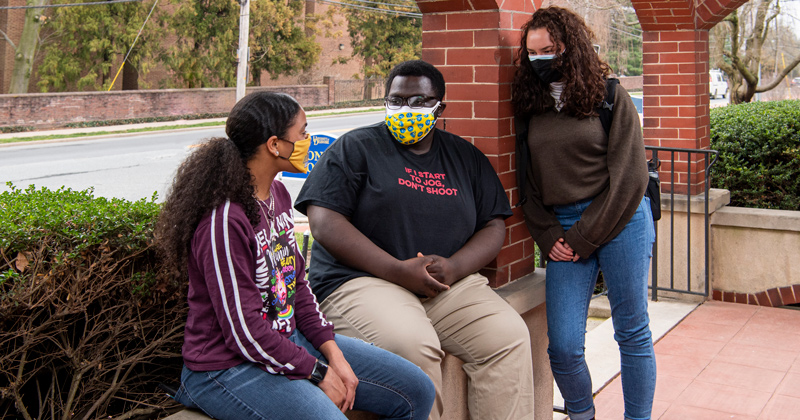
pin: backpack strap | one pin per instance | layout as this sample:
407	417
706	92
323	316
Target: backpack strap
606	109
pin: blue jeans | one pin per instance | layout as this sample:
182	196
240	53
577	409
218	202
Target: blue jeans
389	386
624	262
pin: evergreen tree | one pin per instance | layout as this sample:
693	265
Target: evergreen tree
384	35
207	33
87	43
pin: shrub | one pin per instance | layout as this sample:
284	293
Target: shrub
141	120
15	128
88	323
759	153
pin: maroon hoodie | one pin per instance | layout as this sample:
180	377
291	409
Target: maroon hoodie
248	293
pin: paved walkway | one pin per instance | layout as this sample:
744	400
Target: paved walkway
723	361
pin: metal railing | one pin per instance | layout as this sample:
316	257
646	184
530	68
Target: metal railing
671	191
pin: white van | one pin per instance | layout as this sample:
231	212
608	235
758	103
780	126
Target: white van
717	85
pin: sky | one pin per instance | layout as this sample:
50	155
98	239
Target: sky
792	9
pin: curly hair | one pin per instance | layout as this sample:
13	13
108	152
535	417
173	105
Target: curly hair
417	68
217	171
584	72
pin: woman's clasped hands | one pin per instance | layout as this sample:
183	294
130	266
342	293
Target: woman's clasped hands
561	251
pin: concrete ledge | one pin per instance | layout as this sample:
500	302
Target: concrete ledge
739	264
785	220
187	414
526	295
718	198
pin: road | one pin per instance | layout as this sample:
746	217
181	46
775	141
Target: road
713	103
637	101
131	167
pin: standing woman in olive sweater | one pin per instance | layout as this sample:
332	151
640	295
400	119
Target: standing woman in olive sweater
256	345
583	201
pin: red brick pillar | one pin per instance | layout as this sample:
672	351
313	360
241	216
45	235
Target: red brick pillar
676	112
675	88
473	44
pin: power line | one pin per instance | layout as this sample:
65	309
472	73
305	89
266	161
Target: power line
375	9
626	26
46	6
410	6
132	44
624	32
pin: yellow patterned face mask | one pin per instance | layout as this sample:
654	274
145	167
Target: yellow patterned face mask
410	125
299	156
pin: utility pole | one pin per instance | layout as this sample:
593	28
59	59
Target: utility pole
243	55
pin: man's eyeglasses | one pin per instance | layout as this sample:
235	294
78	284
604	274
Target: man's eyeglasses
419	101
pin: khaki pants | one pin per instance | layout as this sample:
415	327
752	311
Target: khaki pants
469	321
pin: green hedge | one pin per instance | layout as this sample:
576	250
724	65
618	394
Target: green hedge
759	153
105	123
16	129
89	324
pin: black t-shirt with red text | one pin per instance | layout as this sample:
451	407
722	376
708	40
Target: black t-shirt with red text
404	203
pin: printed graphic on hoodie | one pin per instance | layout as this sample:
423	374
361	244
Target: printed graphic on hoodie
275	271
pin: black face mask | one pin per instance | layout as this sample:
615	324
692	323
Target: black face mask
544	69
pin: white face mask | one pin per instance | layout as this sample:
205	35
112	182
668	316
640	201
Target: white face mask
534	57
410	125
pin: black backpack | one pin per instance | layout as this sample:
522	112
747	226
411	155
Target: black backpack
606	115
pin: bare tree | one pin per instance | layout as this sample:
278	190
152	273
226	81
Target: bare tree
742	49
26	49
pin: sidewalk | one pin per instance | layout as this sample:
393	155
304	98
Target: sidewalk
722	361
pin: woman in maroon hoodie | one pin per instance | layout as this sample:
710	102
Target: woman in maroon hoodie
256	344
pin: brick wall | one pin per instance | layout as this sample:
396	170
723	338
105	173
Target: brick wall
55	109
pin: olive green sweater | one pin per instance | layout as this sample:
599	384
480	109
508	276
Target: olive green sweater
572	160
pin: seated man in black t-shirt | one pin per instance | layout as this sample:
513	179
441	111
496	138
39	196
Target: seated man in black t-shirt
403	216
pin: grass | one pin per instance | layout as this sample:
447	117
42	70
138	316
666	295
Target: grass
299	237
161	128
